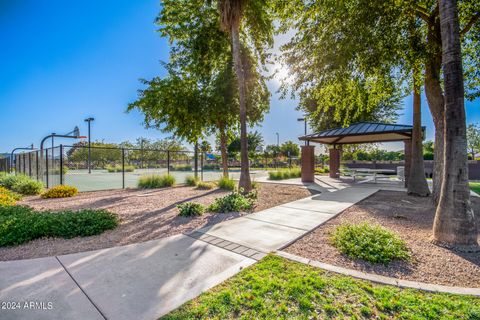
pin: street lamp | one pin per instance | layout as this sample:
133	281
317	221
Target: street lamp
304	119
89	121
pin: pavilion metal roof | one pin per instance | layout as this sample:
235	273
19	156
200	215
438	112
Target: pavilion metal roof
362	132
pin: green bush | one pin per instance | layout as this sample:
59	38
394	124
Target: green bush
152	181
191	181
285	174
20	224
322	170
202	185
226	183
211	167
191	209
181	167
7	181
60	192
28	187
21	184
118	168
234	202
372	243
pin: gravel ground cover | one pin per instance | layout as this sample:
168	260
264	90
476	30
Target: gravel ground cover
412	219
144	215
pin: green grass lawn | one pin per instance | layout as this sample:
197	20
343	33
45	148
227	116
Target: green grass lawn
276	288
475	187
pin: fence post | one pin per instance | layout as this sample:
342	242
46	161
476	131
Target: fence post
168	161
123	168
195	154
201	166
46	167
30	164
36	164
24	165
61	164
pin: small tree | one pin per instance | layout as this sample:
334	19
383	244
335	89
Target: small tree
289	148
473	139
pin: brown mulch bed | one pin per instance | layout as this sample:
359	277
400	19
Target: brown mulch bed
412	219
144	215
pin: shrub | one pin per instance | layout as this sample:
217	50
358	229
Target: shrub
60	192
202	185
8	198
20	224
7	181
284	174
322	170
118	168
369	242
191	181
233	202
210	166
226	183
28	187
191	209
152	181
181	167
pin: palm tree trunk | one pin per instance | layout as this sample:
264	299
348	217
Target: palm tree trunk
454	223
245	182
417	182
436	102
223	151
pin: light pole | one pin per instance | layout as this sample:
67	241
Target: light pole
89	121
304	119
278	150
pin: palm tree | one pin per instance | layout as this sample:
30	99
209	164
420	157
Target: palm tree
454	224
231	12
417	183
259	26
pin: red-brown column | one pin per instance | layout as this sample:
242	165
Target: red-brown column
408	159
308	163
334	163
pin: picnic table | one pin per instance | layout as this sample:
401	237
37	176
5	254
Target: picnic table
366	172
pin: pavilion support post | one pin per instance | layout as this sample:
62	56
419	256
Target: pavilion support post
308	163
334	161
408	159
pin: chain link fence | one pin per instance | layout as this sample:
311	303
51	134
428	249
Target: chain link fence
117	168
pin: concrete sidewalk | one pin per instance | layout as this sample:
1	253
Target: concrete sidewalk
274	228
147	280
139	281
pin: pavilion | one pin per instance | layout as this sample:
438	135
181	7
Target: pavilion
357	133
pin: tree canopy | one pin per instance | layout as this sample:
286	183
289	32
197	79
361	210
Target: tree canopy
199	96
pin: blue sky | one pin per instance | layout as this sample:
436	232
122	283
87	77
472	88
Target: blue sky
62	61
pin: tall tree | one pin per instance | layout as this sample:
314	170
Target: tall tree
199	95
258	26
417	182
454	223
324	43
